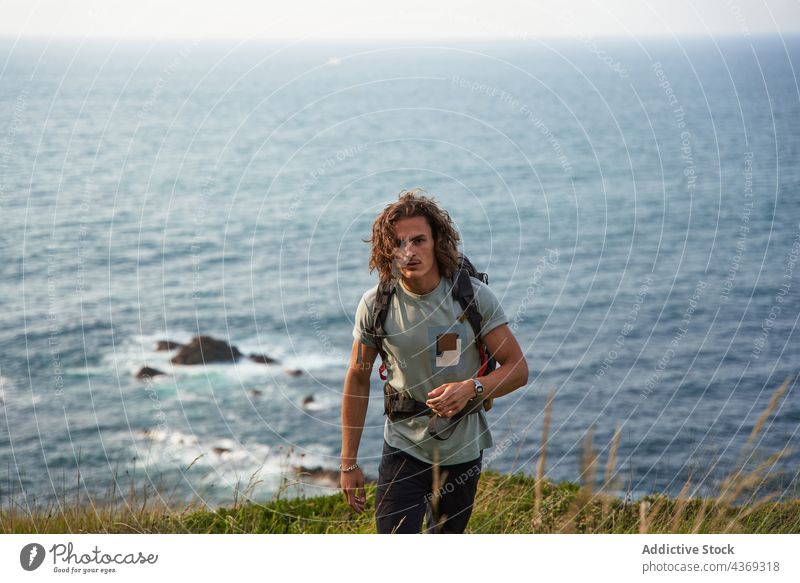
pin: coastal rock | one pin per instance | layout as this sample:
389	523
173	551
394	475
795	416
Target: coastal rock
203	349
147	372
322	476
220	450
308	400
165	345
262	358
256	392
293	372
318	475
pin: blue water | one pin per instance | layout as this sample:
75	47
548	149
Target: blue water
635	204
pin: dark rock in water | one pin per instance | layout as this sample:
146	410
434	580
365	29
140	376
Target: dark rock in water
220	450
308	400
159	435
262	358
203	349
322	476
318	475
256	392
293	372
146	372
163	345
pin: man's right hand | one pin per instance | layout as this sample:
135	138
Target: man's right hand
352	484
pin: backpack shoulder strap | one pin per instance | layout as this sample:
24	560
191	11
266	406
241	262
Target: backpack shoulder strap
465	294
379	311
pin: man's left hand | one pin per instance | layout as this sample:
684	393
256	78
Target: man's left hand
448	399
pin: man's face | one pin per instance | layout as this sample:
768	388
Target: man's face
414	251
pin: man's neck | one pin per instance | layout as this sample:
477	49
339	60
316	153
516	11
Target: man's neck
422	287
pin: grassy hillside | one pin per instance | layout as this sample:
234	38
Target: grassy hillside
504	504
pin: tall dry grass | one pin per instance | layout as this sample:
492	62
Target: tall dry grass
581	509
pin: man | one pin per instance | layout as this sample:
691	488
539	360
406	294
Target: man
433	357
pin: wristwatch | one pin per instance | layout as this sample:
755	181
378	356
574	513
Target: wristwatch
478	389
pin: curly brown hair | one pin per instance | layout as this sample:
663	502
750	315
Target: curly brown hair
411	203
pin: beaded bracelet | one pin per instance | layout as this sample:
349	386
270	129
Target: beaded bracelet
348	468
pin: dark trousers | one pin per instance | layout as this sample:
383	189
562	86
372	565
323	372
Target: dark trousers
405	494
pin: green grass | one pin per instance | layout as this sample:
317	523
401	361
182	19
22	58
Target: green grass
504	504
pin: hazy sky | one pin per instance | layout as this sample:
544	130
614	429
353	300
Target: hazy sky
400	19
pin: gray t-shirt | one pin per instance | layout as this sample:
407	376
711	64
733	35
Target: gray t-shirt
426	347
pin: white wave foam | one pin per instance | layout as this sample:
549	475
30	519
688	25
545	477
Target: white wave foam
148	341
139	351
5	383
226	460
13	397
312	361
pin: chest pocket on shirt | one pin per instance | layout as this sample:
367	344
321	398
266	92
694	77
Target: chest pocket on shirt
446	346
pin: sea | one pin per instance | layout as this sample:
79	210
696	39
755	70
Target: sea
635	202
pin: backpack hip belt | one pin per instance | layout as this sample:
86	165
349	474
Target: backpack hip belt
398	406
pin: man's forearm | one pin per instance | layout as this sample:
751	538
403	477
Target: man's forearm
354	412
505	379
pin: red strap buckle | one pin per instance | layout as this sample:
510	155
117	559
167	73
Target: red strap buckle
484	361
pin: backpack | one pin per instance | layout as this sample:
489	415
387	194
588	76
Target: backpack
463	292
